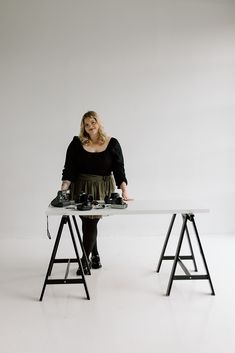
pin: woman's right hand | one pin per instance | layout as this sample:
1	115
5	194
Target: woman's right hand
65	185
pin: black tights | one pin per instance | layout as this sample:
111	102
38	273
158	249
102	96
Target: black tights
89	230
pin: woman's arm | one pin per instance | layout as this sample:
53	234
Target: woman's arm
70	167
118	164
119	169
125	195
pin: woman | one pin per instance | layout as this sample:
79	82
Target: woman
92	160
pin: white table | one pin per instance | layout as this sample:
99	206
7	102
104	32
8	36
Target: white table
186	209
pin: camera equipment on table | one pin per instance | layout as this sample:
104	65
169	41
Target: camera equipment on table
115	201
84	202
62	199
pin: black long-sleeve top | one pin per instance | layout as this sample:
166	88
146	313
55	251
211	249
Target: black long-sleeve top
78	160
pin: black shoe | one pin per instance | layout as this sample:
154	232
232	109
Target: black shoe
86	269
95	261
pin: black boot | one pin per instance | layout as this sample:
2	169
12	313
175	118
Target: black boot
95	261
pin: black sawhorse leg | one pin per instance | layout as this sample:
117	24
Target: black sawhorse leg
178	258
65	280
81	243
183	257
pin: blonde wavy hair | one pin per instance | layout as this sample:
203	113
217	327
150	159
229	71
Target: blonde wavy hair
84	136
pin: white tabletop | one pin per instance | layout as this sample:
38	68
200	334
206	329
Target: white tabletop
136	207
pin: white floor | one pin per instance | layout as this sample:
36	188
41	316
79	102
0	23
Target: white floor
128	311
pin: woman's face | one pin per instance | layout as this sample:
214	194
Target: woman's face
91	126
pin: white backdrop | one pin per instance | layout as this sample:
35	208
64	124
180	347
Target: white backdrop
160	73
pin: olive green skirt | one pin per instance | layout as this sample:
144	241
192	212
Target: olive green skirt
96	185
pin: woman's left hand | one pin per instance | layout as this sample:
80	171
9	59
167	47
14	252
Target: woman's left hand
125	196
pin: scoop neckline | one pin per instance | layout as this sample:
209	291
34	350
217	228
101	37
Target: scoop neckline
100	151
